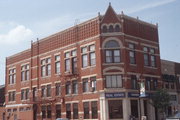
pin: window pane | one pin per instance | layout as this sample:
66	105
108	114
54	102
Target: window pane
67	55
48	69
84	50
114	81
108	81
92	47
84	60
67	65
119	81
108	56
92	58
57	58
86	110
94	109
116	56
57	67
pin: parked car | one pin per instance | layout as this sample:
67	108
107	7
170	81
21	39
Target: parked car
174	117
62	119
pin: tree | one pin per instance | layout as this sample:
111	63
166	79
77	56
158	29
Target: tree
161	100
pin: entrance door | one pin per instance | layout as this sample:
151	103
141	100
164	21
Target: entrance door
134	108
115	109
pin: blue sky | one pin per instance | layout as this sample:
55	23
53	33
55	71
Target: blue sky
24	20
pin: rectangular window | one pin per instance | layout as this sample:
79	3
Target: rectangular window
68	88
93	84
109	56
25	72
11	96
146	59
58	89
148	83
134	84
74	65
68	111
114	81
132	57
153	61
46	67
94	109
27	94
49	111
75	111
22	94
34	93
12	76
92	58
67	65
84	60
75	87
48	90
57	65
86	110
116	56
43	91
85	85
58	111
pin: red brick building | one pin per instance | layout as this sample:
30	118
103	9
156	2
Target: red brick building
89	71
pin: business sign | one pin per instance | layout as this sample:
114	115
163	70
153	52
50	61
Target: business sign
132	94
142	90
115	95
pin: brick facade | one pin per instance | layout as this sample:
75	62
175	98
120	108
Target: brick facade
102	32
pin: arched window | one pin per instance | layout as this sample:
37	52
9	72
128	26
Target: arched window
111	29
112	52
117	28
104	29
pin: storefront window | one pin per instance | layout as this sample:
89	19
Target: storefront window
115	109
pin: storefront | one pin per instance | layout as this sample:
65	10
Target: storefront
123	105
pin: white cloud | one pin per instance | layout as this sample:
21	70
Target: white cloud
151	5
16	35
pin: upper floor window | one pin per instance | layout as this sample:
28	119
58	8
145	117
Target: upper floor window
88	56
58	89
149	57
46	67
114	81
12	76
134	83
46	91
11	96
85	85
25	94
112	52
57	64
111	28
117	28
132	53
104	29
75	87
71	61
25	72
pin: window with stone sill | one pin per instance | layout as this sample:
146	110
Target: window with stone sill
112	52
114	81
88	56
25	72
12	76
57	64
46	67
